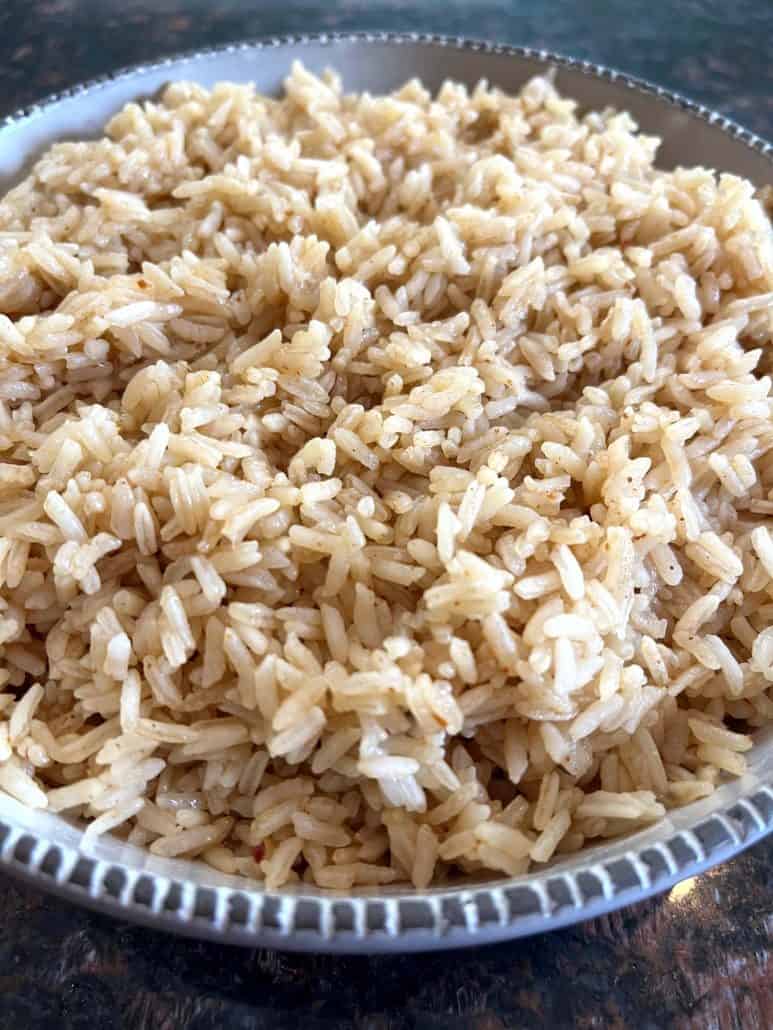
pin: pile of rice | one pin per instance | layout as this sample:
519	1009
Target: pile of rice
386	481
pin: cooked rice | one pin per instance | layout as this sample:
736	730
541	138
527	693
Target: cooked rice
386	482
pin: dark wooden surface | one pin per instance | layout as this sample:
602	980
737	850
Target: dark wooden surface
699	956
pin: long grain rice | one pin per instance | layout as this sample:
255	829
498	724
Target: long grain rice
386	481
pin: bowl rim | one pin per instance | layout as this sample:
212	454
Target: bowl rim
470	44
125	882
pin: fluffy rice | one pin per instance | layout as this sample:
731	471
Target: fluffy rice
386	482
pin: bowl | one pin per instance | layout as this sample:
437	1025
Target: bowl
193	899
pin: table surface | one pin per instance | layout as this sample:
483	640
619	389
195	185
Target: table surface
699	956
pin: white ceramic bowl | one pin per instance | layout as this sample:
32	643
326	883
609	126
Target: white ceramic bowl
191	898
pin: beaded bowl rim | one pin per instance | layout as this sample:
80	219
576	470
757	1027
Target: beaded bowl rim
189	898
